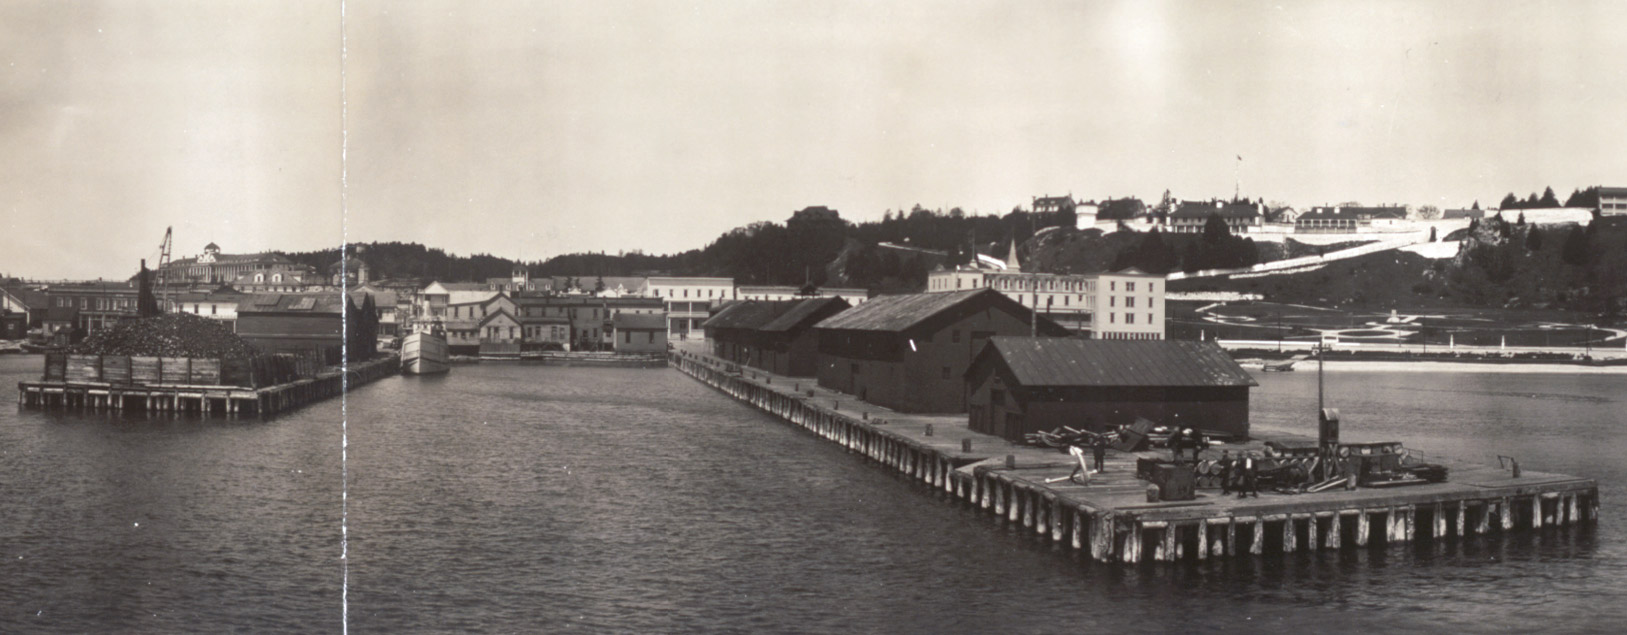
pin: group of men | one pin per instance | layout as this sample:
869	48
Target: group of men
1239	474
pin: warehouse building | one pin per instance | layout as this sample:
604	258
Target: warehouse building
776	336
910	352
639	332
733	333
300	323
1020	385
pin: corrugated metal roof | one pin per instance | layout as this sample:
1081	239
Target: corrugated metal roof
802	311
897	312
747	314
1052	361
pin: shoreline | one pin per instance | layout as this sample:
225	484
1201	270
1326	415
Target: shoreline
1450	367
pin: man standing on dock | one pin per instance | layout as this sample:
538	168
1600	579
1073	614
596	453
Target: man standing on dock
1251	484
1098	448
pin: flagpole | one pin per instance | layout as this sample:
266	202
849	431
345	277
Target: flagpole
1237	180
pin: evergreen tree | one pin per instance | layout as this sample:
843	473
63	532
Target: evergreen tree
1575	250
1533	239
1151	255
1509	202
1521	220
1531	202
598	287
146	304
1432	237
1215	230
1548	199
1476	205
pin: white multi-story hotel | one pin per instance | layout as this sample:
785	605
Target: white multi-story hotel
1125	305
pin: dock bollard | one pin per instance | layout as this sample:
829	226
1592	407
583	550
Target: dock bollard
1011	459
835	405
1152	493
966	445
770	380
865	416
929	429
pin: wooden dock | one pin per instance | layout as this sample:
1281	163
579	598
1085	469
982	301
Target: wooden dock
1111	518
203	399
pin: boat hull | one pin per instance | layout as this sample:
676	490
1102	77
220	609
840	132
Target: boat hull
424	354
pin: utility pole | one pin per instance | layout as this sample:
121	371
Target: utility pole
1033	328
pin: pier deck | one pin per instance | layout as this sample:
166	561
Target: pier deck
1111	516
228	400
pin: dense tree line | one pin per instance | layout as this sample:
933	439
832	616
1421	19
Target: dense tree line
410	260
1578	198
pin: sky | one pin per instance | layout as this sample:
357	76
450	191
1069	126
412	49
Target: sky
531	129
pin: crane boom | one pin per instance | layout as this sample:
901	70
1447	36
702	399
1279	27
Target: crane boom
163	266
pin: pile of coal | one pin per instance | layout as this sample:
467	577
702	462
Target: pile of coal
168	335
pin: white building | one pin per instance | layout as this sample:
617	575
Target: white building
1125	305
689	301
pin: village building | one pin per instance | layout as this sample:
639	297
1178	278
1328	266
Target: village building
1020	385
639	333
519	282
280	278
433	300
1124	305
96	305
1612	201
689	301
582	322
1349	219
217	304
213	267
1241	217
910	352
23	305
1053	204
1129	305
387	306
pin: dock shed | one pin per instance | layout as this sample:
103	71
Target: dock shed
910	352
1020	385
733	332
639	332
301	322
790	343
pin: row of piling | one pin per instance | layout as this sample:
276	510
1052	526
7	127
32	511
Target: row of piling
206	400
1153	533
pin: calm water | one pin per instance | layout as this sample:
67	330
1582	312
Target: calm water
540	499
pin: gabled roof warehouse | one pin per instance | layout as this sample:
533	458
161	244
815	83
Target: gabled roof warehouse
1020	385
910	352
